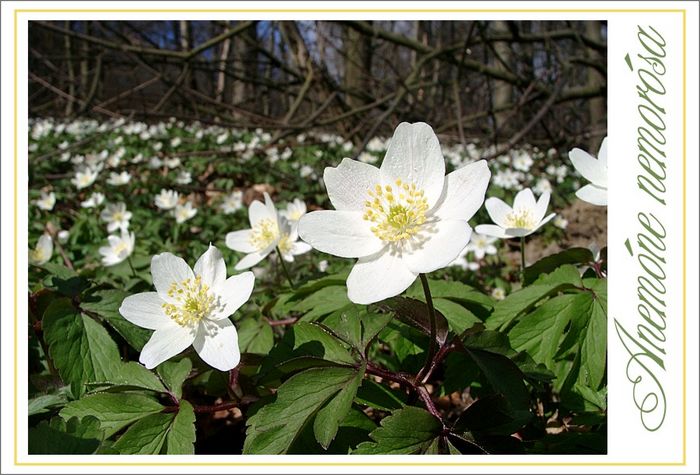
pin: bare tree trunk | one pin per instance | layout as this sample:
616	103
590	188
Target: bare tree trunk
223	66
71	73
357	48
596	105
502	91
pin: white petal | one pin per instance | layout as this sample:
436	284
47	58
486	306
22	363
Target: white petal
164	344
543	222
525	199
211	267
270	206
447	240
593	195
491	230
217	344
590	168
253	258
603	153
257	211
167	269
145	310
300	248
498	211
414	156
341	233
378	277
464	190
235	291
541	206
240	241
348	184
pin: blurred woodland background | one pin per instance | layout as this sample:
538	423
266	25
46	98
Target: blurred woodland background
498	82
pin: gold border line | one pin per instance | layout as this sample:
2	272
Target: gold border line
300	464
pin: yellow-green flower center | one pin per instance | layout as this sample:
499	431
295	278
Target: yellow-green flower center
118	216
122	246
285	244
193	301
37	255
264	233
398	212
520	218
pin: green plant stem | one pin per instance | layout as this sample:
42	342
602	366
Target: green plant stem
522	260
284	269
433	329
131	266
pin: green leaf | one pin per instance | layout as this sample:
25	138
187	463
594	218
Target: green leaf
81	349
146	436
276	426
114	411
458	317
380	397
410	430
181	436
574	255
65	437
356	325
106	303
174	374
44	403
64	280
318	304
255	336
130	375
416	314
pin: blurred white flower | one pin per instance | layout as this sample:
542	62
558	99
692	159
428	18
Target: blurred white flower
560	222
232	202
289	244
116	216
323	266
183	178
157	146
366	157
481	245
498	293
47	201
222	138
167	199
171	163
118	179
462	262
507	179
175	142
305	171
295	210
595	171
524	218
184	212
542	186
84	178
402	219
63	236
95	199
522	160
154	163
42	252
118	248
190	308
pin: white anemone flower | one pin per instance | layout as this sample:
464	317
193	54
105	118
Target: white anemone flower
63	235
183	178
295	210
118	248
481	245
595	171
232	202
42	252
184	212
400	220
524	218
47	201
84	178
190	308
95	199
289	244
116	216
464	263
118	179
167	199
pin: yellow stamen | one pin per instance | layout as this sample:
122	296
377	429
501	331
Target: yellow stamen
193	301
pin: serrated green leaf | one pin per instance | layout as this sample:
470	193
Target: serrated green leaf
174	374
81	349
574	255
276	426
114	411
146	436
332	414
106	303
45	402
181	435
410	430
356	325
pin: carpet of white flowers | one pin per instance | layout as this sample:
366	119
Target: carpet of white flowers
197	289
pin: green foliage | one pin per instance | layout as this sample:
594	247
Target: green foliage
410	430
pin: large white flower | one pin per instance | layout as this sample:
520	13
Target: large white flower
262	237
84	178
42	252
47	201
116	216
595	171
118	248
524	218
190	308
402	219
167	199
